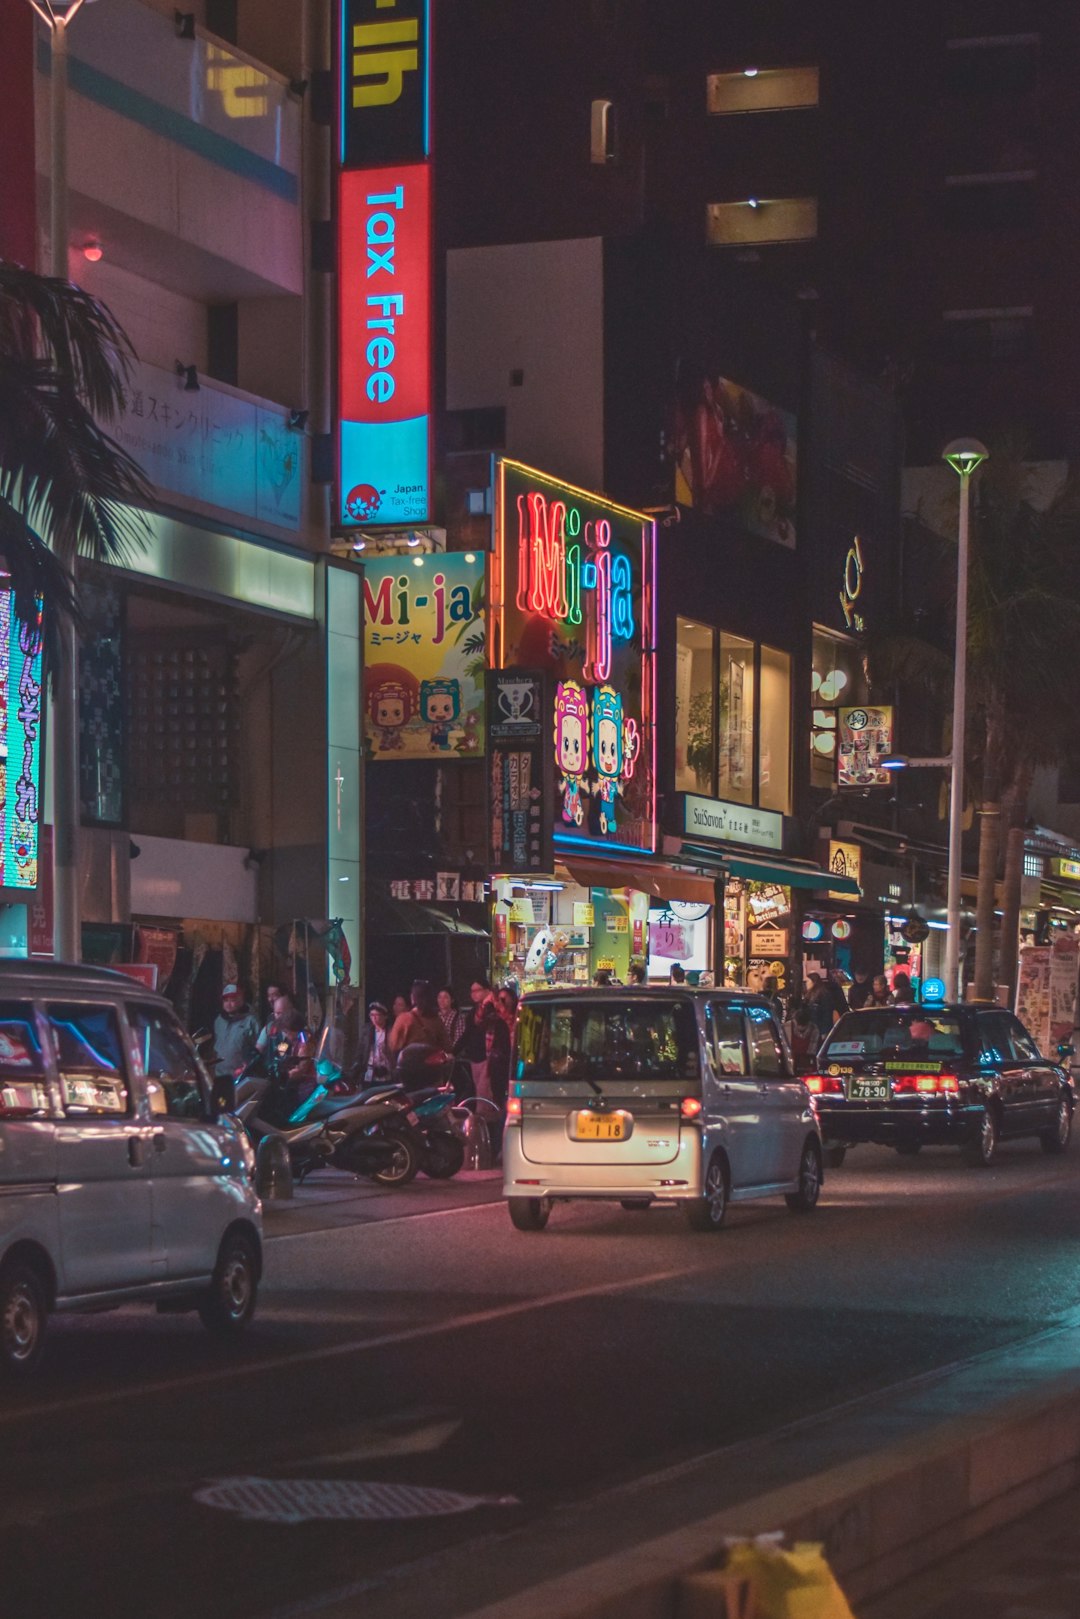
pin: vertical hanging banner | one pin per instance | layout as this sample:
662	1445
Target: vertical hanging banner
384	265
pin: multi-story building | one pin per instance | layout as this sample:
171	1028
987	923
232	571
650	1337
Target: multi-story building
220	677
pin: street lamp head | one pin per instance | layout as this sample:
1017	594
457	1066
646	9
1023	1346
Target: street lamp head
54	13
964	455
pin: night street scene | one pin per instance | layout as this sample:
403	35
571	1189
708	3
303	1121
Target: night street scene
539	810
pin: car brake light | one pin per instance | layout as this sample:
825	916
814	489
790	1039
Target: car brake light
925	1084
690	1107
828	1084
513	1107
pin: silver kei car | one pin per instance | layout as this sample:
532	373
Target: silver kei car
649	1096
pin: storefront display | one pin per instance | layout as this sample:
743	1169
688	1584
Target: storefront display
759	934
562	932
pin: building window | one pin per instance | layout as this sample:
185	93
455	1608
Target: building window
767	89
774	731
973	335
837	679
602	146
695	708
732	718
758	221
992	65
1033	865
991	201
736	719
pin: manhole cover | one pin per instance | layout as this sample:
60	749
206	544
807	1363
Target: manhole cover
297	1500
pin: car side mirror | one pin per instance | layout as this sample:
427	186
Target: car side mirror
1066	1049
224	1094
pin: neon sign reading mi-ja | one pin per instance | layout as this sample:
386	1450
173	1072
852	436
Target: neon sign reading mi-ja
569	573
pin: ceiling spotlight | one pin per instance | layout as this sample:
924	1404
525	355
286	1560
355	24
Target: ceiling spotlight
750	72
752	202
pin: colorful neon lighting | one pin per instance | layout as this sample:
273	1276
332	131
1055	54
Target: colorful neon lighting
572	593
384	345
20	727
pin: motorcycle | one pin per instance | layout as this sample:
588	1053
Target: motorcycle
421	1090
369	1137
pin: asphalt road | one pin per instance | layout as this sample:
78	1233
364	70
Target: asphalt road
441	1349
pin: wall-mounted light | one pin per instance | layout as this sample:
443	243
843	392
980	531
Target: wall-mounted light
298	420
750	72
184	23
752	202
190	374
93	251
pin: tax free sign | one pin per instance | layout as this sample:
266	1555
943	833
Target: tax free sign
384	265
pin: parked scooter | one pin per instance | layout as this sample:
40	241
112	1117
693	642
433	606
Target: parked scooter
363	1137
420	1088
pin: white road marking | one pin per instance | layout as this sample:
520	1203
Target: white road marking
273	1363
405	1433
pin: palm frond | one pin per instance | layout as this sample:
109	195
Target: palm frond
46	318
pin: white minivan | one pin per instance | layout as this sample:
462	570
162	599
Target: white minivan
122	1175
643	1096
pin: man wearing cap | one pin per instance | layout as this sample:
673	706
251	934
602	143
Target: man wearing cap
235	1033
373	1059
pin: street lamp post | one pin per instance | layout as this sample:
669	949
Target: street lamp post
964	455
67	944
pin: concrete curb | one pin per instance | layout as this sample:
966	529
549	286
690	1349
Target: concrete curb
882	1518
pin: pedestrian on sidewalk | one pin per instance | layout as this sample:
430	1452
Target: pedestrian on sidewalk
373	1057
803	1036
453	1019
235	1033
420	1025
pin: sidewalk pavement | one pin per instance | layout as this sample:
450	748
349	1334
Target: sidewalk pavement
1028	1570
331	1198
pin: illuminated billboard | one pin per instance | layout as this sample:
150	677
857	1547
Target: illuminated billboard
735	453
573	598
384	345
20	745
425	656
384	81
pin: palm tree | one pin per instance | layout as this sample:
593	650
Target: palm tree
1023	681
66	488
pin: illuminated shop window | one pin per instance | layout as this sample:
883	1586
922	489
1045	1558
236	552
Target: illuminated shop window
837	678
774	731
767	89
695	708
602	146
759	221
736	720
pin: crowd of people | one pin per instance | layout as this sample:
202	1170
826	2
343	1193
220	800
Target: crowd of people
827	996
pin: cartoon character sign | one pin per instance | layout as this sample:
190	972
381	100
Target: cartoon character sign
571	748
615	747
391	706
440	706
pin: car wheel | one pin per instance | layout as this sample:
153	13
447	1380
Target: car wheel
529	1213
403	1165
1056	1139
908	1149
24	1312
981	1150
805	1200
635	1205
229	1302
834	1156
706	1213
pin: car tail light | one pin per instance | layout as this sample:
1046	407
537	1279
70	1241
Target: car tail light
824	1084
690	1107
925	1084
513	1107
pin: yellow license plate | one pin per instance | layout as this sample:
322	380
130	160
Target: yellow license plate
601	1126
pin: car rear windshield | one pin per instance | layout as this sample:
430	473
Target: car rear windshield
580	1038
896	1031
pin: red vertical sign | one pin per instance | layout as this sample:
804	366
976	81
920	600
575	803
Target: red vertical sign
39	931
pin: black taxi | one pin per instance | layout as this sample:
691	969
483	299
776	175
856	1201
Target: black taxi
911	1076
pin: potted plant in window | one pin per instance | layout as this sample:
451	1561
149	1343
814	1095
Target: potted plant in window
699	746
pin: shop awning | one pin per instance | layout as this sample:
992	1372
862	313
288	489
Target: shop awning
774	869
659	881
396	916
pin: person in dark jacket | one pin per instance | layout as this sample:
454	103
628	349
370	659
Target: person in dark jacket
859	990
